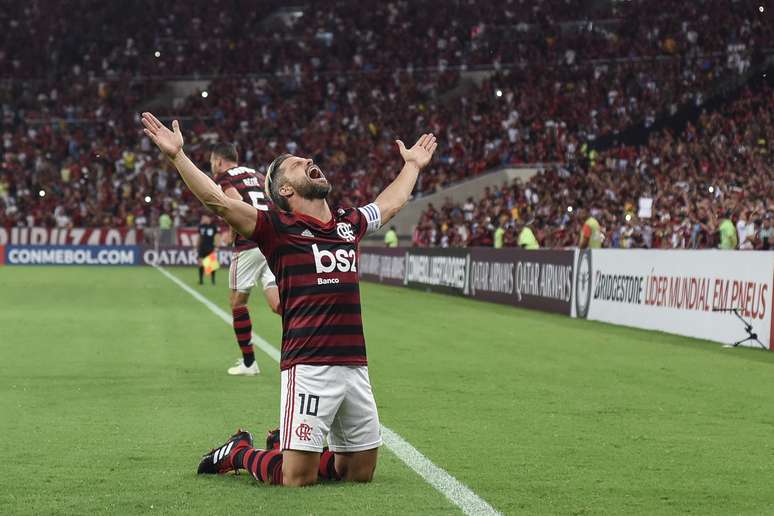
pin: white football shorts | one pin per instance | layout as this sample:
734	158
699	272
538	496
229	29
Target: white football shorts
320	402
246	268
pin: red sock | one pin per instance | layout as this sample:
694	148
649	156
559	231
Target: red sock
243	328
263	465
266	465
327	469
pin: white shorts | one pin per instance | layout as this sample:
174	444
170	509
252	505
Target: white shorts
333	402
246	267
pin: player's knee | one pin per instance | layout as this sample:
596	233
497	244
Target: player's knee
299	479
363	473
237	300
365	476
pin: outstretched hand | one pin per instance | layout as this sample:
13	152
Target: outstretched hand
169	142
422	151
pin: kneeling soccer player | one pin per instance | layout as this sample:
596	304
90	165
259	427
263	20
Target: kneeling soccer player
312	251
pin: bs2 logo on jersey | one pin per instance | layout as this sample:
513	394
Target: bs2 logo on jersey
328	261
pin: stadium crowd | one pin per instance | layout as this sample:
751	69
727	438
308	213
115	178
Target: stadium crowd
671	193
217	37
332	84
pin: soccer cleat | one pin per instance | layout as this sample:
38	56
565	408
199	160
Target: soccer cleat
240	369
273	439
218	460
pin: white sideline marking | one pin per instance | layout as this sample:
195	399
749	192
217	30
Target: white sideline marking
227	318
457	492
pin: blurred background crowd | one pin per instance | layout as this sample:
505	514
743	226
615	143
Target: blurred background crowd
652	117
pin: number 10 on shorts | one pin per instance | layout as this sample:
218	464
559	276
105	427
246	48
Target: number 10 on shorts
308	402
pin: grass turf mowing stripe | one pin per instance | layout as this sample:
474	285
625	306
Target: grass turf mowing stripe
261	343
457	492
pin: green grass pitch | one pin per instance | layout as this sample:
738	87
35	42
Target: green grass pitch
112	384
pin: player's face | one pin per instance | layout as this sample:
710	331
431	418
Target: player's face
306	178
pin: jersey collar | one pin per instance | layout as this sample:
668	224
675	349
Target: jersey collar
316	222
225	172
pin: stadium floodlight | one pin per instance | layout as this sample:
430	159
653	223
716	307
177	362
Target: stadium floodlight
499	92
569	209
157	53
42	193
148	199
205	94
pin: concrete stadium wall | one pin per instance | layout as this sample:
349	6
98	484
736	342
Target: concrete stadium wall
407	219
174	93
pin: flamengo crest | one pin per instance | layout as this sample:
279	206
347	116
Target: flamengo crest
344	230
304	432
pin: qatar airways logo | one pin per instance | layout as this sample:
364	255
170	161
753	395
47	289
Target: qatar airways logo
342	260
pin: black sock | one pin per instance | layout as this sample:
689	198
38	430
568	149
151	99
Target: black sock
213	277
201	275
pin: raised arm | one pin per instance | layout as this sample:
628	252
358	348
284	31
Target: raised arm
240	215
397	193
233	194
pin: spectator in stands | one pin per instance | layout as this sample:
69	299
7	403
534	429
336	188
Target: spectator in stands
166	234
499	236
391	237
728	233
527	238
766	234
591	232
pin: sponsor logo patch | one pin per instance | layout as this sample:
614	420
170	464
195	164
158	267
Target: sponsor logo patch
326	261
583	284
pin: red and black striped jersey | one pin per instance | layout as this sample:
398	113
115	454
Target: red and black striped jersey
316	264
249	184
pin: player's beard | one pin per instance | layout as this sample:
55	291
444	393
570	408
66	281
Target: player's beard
313	190
309	188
